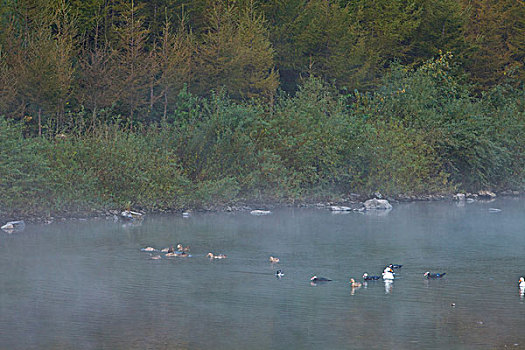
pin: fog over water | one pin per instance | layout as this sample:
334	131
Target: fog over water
87	285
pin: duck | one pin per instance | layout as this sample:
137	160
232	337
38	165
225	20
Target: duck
388	273
168	250
218	256
148	249
319	279
178	254
395	266
521	282
434	275
279	274
274	260
355	284
156	257
366	277
180	248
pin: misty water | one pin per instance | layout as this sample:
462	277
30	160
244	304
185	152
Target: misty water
87	285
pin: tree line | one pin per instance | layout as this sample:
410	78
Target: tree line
134	56
172	104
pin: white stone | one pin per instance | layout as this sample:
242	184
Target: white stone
340	208
260	212
375	203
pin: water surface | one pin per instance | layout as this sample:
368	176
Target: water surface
87	285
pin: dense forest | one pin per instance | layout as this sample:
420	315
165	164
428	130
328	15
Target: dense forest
168	104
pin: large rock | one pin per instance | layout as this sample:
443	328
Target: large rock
379	204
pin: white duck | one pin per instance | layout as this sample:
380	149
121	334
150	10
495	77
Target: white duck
388	273
522	282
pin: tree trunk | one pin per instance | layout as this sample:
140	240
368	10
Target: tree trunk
39	121
165	105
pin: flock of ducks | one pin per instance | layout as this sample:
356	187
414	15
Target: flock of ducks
388	274
181	252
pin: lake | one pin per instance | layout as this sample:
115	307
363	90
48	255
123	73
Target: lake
88	285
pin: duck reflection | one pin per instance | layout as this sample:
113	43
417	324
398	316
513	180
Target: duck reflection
389	286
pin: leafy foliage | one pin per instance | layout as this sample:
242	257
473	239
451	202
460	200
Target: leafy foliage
169	103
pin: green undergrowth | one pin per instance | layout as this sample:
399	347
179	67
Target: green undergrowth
421	133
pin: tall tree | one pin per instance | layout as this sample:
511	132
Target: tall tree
281	16
325	42
236	53
258	76
96	84
44	34
496	30
175	58
441	28
64	26
133	60
385	28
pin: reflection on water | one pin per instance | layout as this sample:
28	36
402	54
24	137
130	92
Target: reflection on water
87	284
389	286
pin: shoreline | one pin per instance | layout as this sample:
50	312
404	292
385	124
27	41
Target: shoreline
353	201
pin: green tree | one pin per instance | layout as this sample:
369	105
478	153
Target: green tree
133	60
258	77
236	53
175	58
96	86
64	26
496	31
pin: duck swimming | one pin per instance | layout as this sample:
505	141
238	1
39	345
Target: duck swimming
168	250
366	277
355	284
434	275
315	279
180	248
279	274
274	260
148	249
178	254
395	266
521	282
218	256
388	273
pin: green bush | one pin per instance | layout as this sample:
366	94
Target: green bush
24	171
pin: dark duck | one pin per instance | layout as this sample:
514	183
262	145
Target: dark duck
434	275
367	277
316	279
395	266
